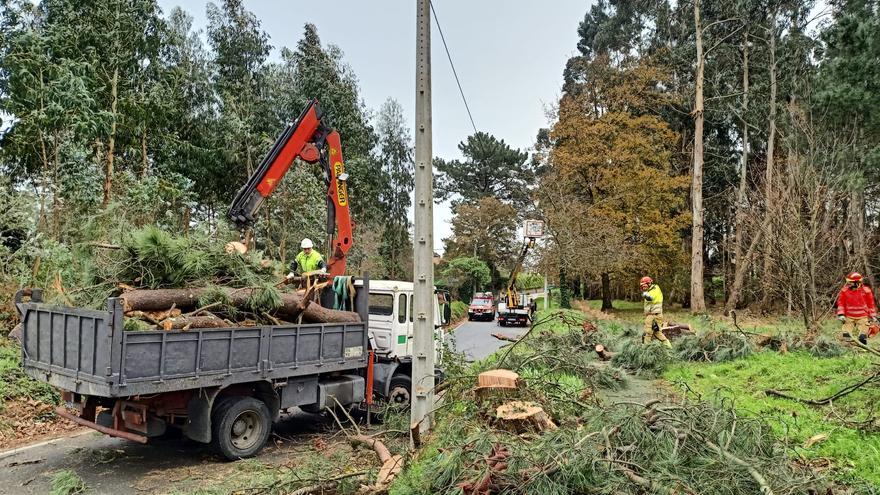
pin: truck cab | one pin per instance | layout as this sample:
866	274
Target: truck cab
391	335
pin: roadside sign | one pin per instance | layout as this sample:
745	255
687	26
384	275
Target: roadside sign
534	229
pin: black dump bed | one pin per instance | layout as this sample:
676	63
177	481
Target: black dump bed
87	351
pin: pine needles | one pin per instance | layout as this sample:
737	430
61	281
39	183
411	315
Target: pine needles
152	258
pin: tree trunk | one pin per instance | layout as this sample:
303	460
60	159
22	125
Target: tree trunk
743	267
606	293
769	173
145	162
698	302
292	304
111	142
741	194
56	206
858	231
564	300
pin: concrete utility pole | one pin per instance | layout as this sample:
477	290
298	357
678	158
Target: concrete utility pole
546	294
423	248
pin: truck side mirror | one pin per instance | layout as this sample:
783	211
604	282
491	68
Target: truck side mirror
447	313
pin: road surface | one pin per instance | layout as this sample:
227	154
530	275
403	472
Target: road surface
475	340
174	465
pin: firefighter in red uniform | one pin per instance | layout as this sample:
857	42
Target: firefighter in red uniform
856	307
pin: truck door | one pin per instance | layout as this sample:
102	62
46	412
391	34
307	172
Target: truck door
405	321
382	321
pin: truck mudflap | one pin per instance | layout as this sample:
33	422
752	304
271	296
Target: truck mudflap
134	437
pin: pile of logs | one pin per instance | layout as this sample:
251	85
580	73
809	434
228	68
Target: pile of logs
178	309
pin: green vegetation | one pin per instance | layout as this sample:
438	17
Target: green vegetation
15	384
67	482
459	310
852	440
466	275
673	448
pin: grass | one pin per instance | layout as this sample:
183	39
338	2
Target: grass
559	371
15	383
67	482
459	310
854	453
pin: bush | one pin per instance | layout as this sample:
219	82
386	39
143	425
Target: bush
459	310
14	383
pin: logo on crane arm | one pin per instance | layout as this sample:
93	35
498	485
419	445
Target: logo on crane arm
341	188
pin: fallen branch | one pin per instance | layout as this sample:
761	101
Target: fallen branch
827	400
758	477
391	464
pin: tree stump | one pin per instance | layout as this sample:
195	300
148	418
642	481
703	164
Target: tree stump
496	383
520	417
603	353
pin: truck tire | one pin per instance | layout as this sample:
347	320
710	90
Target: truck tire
400	391
240	426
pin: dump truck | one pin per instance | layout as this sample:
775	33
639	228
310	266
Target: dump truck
223	386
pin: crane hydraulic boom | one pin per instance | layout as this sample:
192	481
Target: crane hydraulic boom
511	294
311	139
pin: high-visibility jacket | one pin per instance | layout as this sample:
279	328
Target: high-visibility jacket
309	263
653	300
856	303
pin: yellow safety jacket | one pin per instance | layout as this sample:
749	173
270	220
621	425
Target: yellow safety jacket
653	300
309	263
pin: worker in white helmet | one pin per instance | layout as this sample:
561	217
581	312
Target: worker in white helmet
308	260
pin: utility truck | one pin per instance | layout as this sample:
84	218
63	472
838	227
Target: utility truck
226	386
514	308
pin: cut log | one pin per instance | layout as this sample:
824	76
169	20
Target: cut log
187	322
519	417
603	353
235	247
498	378
292	304
160	299
154	316
496	383
674	330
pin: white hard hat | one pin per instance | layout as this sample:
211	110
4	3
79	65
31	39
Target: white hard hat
306	243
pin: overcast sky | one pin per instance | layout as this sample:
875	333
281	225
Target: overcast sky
509	56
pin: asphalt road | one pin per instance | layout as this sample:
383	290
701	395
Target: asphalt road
475	340
112	466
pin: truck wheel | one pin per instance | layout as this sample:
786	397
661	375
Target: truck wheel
399	391
240	426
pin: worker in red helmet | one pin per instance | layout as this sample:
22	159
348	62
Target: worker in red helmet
653	298
856	307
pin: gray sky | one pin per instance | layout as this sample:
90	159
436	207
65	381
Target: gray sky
509	56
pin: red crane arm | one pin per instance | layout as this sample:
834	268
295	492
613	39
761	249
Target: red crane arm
311	139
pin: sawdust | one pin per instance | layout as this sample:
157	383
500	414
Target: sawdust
25	421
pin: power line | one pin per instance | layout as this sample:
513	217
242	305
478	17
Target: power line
451	64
